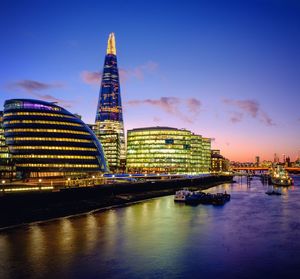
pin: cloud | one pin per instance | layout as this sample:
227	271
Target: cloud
52	99
194	105
185	109
139	72
91	77
156	119
248	107
33	85
236	117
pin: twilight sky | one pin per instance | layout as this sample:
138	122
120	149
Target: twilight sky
229	70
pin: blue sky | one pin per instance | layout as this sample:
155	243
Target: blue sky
228	70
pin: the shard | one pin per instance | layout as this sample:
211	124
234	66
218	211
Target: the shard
109	126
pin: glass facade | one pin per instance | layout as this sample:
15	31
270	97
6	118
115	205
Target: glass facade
206	147
109	126
47	140
6	167
166	150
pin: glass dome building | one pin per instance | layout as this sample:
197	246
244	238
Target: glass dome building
45	140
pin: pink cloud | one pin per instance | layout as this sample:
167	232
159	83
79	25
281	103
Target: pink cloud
91	77
156	119
250	107
52	99
236	117
139	72
33	85
173	105
194	105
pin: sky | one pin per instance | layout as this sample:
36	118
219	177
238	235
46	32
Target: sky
228	70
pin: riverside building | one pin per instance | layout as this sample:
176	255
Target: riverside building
45	140
109	127
6	167
167	150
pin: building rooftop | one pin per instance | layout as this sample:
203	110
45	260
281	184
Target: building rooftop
157	128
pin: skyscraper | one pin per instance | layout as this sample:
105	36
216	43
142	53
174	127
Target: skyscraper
109	126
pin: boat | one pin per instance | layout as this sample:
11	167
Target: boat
181	195
277	193
195	198
207	198
280	177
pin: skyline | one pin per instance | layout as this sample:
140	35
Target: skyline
228	72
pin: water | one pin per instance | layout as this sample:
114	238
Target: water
252	236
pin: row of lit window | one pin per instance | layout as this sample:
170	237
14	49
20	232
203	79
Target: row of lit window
155	146
157	164
132	152
59	165
196	142
28	189
108	109
158	141
41	122
159	132
37	113
130	163
162	160
159	137
54	156
53	148
26	130
46	139
158	155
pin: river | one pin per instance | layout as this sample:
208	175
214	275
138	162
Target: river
252	236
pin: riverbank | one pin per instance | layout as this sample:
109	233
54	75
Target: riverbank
18	209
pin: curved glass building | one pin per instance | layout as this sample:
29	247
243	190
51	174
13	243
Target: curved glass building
46	140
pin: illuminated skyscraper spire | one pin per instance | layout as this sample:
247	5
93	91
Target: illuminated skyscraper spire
109	126
111	44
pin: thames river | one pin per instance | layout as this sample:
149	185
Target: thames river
252	236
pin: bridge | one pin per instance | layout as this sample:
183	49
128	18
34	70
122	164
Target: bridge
259	169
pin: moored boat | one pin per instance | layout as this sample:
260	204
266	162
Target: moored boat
181	195
207	198
280	177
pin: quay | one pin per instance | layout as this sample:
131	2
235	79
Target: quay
21	208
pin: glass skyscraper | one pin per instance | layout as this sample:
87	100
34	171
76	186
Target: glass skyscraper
109	126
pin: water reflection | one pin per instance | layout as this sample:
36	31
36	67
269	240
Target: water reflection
251	236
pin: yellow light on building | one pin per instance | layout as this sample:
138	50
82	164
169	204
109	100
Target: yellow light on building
167	150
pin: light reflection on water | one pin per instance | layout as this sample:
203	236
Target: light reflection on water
252	236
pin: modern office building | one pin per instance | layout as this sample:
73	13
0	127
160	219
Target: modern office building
109	126
166	150
45	140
